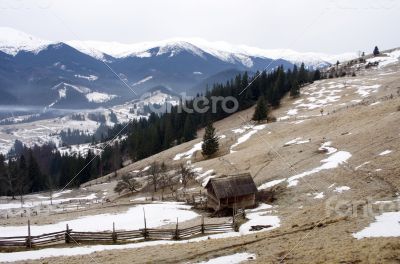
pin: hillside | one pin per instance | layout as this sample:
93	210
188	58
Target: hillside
332	160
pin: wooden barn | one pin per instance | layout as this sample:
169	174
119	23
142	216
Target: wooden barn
232	191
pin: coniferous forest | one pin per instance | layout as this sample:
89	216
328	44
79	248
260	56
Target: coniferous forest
39	168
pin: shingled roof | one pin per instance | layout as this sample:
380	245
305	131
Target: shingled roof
232	185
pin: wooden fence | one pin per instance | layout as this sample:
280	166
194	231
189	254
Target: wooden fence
70	236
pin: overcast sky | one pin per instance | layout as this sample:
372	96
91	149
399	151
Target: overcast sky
331	26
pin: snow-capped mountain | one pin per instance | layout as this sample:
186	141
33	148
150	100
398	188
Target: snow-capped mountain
30	67
222	50
13	41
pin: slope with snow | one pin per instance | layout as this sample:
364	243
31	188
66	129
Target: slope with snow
13	41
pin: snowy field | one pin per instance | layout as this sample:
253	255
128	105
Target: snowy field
42	204
156	215
162	213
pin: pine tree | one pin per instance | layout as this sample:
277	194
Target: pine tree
210	141
22	182
3	174
34	174
302	76
261	111
168	133
188	129
85	175
317	75
11	178
294	89
376	51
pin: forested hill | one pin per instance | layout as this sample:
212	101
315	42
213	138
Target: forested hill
43	167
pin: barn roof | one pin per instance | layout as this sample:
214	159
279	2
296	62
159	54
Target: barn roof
232	185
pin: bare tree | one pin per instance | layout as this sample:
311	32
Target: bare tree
186	175
127	182
154	176
163	179
51	186
22	182
172	184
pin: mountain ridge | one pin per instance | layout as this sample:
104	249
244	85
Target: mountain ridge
222	50
30	66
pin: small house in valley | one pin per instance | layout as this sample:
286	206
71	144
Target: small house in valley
232	191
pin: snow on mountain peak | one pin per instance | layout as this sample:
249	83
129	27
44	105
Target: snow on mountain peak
176	47
12	41
86	48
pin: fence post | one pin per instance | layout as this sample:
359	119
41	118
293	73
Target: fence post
145	233
67	235
114	234
202	224
28	239
176	236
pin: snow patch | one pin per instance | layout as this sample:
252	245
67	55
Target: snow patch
148	78
327	147
365	91
359	166
333	161
247	136
296	141
319	195
385	225
230	259
89	78
258	218
341	189
386	152
188	154
270	184
97	97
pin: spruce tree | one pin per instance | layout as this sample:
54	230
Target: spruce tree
210	141
22	181
261	111
317	75
188	129
34	174
294	89
302	76
376	51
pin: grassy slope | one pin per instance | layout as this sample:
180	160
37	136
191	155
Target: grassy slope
308	233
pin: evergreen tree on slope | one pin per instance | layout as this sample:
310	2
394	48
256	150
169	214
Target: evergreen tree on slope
261	111
210	141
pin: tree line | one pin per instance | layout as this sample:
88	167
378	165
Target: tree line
43	167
